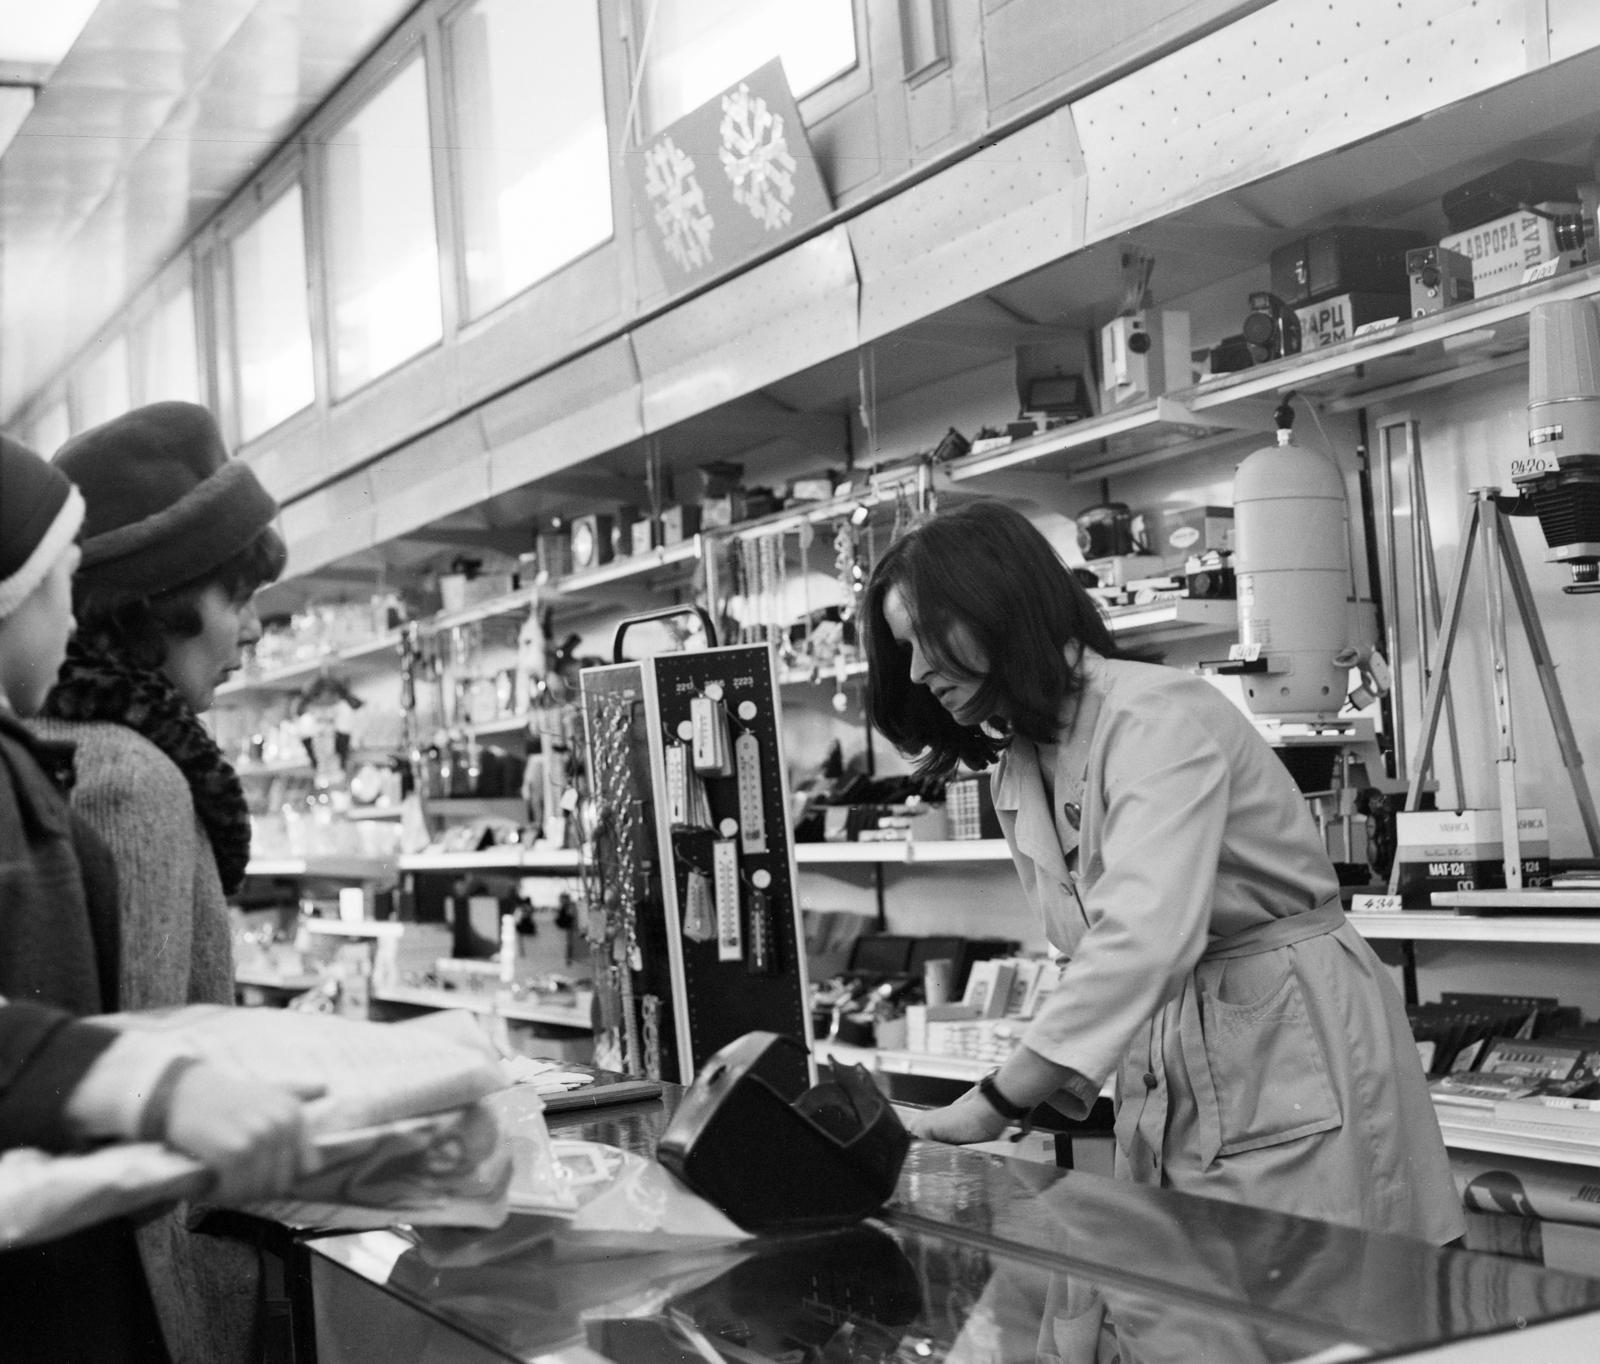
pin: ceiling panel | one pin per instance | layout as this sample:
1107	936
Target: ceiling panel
158	114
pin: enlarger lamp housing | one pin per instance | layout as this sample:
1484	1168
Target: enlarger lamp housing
1561	474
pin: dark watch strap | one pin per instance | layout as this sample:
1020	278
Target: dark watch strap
998	1101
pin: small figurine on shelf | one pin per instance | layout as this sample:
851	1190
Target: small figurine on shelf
325	718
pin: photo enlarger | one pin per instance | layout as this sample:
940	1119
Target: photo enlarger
689	865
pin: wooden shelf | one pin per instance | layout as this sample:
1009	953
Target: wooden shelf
1468	1129
905	852
902	1062
512	857
1579	900
482	1002
334	868
1178	618
1423	926
290	676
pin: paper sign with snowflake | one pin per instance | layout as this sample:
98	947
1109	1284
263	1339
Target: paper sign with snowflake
731	178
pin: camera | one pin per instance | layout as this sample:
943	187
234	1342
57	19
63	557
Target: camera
1440	278
1271	329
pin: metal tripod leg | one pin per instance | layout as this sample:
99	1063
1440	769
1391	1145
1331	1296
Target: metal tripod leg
1560	719
1500	554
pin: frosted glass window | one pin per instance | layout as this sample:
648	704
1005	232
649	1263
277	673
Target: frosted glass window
531	156
700	47
383	243
271	320
102	385
166	352
51	430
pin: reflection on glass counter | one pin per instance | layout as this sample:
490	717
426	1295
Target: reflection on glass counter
978	1259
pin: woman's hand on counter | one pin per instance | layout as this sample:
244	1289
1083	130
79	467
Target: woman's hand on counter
970	1118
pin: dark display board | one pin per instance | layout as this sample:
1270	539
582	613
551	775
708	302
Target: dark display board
694	856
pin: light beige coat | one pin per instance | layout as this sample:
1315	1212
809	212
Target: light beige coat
1260	1050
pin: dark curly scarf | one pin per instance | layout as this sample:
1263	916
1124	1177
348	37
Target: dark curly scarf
96	684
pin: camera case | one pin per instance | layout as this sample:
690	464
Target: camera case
773	1156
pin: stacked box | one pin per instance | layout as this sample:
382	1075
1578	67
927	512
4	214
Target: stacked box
1504	250
1448	850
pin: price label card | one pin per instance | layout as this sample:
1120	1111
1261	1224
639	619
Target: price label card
1376	904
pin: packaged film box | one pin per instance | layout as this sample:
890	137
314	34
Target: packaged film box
1462	850
1503	250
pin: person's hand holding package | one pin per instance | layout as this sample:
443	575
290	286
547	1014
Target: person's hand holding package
250	1136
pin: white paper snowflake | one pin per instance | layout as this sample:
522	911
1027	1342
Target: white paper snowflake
680	204
755	154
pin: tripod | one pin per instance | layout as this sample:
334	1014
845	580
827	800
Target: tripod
1486	520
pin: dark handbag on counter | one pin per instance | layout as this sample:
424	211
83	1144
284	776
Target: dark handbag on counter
773	1155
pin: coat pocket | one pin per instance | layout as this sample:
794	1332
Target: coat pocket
1268	1071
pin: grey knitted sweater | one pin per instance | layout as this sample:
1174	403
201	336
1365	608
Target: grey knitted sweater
177	947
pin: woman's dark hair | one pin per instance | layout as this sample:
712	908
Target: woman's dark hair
986	567
137	628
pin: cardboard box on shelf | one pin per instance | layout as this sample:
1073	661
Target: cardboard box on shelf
1462	850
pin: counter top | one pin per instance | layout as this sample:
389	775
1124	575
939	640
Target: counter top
972	1259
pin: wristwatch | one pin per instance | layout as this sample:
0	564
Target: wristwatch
1018	1113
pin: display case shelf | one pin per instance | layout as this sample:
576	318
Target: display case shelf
1579	901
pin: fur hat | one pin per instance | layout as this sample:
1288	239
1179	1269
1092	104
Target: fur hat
165	504
40	512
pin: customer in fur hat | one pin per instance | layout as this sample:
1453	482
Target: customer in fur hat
67	1085
176	539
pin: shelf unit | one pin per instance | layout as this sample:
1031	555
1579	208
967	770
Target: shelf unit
511	857
332	867
497	1005
904	852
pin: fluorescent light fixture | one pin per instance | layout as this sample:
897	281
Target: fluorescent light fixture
35	34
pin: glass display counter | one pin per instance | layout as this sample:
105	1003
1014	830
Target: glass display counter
978	1259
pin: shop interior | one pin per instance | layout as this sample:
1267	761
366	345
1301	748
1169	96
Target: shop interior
1088	268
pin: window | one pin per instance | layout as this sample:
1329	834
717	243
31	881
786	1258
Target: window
531	158
166	351
700	47
383	245
51	429
102	385
271	323
924	36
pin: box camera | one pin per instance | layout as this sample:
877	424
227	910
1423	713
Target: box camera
1342	260
1143	355
1270	328
1440	278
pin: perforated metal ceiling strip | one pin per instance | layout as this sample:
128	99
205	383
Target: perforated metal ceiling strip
584	408
1574	27
997	214
788	313
1275	88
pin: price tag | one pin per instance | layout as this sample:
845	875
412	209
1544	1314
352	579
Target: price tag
1376	904
1244	653
1546	270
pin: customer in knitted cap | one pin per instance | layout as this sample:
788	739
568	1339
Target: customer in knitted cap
177	537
